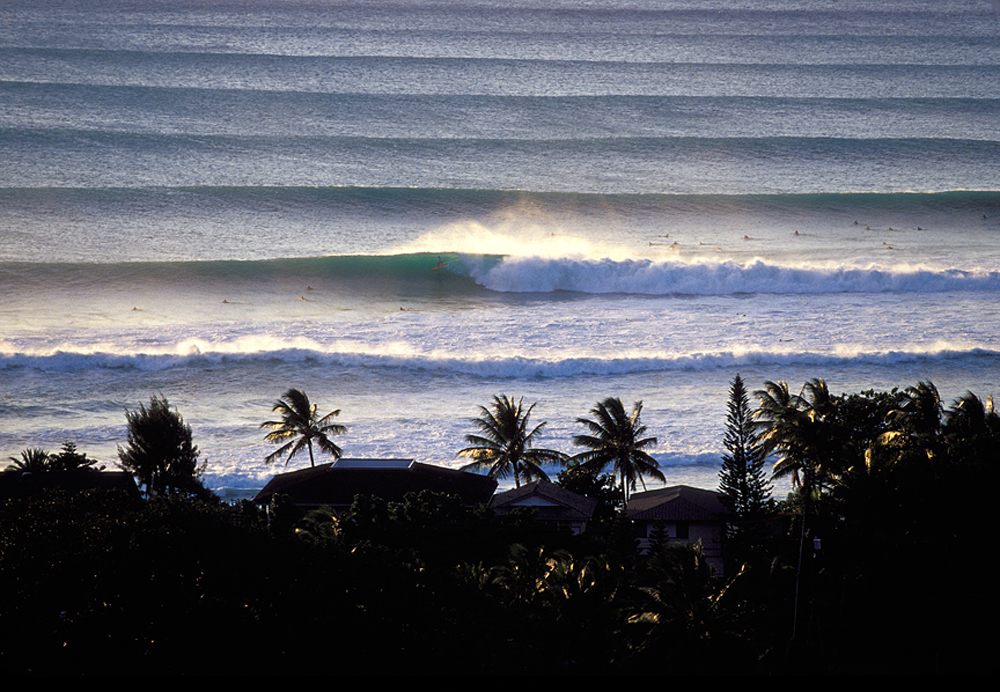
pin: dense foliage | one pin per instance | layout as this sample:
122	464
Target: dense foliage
160	451
99	583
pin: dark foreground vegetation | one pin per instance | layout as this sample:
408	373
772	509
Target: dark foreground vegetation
879	562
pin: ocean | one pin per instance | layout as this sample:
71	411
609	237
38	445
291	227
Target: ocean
215	201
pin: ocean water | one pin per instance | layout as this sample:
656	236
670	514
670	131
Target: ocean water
215	200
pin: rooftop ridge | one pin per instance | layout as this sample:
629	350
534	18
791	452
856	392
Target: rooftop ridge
359	463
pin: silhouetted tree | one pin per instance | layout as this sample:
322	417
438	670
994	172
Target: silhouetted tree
160	451
597	487
743	482
70	459
616	439
299	426
37	460
803	432
504	443
32	460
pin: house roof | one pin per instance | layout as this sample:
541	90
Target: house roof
551	501
17	483
677	503
337	483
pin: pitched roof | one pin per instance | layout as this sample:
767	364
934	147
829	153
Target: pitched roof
551	500
677	503
336	483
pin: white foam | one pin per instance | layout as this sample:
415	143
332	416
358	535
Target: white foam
651	277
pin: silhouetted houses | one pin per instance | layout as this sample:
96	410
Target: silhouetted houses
20	484
336	484
553	504
684	515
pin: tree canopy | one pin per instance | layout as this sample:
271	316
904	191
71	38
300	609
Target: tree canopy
743	483
615	437
160	451
299	426
504	445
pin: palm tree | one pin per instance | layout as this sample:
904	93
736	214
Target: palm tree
915	426
32	460
918	412
971	416
504	443
800	430
972	432
299	426
616	438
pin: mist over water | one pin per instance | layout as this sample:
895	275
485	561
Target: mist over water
216	203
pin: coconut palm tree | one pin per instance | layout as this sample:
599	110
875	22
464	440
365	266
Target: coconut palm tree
915	427
800	430
32	460
616	438
504	443
971	416
300	426
918	412
971	432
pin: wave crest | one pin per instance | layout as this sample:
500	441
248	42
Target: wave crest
649	277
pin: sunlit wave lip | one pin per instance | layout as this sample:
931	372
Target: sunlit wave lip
656	277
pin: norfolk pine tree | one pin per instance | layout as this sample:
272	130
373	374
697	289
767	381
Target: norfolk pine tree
743	483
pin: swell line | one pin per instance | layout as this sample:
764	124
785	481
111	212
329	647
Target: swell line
205	353
459	274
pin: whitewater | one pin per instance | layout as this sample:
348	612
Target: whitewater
215	202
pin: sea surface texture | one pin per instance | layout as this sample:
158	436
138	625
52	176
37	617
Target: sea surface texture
215	201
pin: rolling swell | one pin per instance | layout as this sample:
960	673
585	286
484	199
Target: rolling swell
465	274
346	272
465	202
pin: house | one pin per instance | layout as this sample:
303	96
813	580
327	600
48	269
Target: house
685	515
20	484
553	504
336	484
